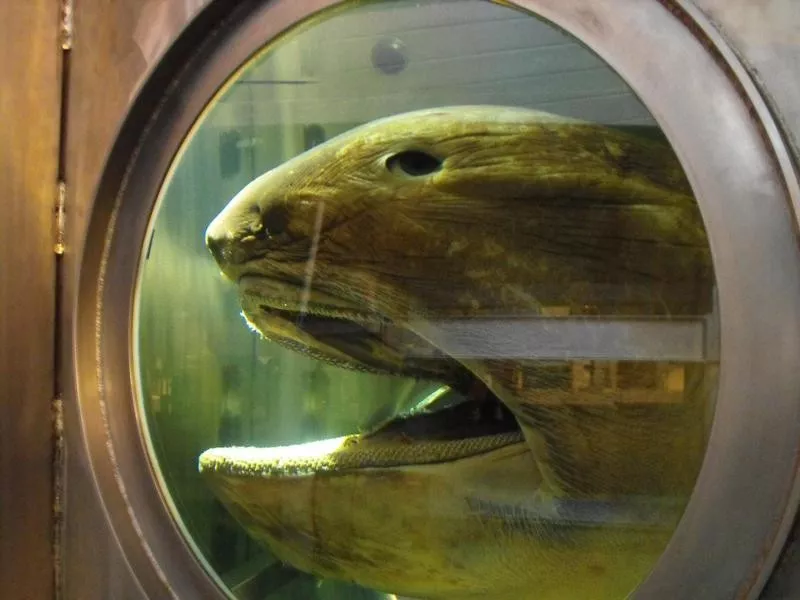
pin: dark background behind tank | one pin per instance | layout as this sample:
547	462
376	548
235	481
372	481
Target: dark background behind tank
107	63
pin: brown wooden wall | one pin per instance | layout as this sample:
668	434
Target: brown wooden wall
29	122
115	42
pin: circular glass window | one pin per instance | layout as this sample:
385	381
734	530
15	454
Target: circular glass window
429	300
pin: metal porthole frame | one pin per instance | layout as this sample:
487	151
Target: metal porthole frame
739	166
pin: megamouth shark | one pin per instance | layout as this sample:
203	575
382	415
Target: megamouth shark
361	250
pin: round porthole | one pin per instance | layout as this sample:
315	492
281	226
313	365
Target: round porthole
488	325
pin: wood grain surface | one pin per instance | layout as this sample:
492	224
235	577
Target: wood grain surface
29	118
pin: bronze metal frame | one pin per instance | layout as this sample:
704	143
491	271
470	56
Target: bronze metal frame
737	162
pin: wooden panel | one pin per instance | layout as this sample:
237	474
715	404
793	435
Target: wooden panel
115	41
29	118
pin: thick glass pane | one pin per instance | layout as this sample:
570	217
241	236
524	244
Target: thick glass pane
430	294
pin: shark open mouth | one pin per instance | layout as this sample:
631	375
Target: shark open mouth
443	427
467	429
463	418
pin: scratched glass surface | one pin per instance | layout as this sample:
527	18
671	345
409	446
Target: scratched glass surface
468	352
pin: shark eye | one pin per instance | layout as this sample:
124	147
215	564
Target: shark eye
414	163
273	225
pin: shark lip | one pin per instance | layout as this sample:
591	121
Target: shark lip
273	293
379	348
431	435
343	455
337	332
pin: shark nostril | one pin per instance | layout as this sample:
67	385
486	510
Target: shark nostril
241	233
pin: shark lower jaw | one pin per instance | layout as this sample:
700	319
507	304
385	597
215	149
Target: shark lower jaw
437	432
333	520
340	455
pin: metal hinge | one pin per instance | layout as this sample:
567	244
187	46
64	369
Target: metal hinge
66	24
58	493
61	214
65	38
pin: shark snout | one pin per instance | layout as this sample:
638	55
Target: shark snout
244	227
228	244
217	242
